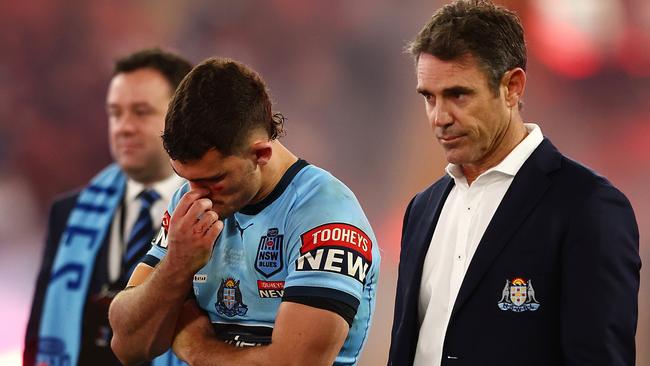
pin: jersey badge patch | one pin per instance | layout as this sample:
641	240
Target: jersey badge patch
200	278
270	289
161	239
229	299
518	296
269	253
337	248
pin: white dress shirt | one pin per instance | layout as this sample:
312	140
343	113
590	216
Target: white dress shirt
464	217
131	206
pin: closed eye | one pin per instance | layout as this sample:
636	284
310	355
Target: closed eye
457	92
207	180
210	180
426	95
141	112
113	112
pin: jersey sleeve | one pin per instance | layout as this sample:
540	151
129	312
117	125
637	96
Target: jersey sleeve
159	243
331	250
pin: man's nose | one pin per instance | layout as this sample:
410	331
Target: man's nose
441	116
125	123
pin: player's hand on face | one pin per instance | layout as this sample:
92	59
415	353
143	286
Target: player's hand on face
193	228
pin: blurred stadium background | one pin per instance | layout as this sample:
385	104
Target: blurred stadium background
337	71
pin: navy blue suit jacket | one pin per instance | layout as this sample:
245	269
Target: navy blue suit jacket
559	225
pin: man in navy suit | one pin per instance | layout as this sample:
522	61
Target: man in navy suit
518	255
137	100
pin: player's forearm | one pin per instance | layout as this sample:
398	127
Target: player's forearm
143	318
214	352
196	343
302	335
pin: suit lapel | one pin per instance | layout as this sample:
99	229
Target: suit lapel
428	222
522	197
421	219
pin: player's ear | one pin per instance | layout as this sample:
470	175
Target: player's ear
262	151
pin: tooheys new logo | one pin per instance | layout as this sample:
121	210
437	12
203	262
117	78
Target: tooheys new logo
161	239
338	248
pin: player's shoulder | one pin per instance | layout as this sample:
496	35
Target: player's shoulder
315	183
322	200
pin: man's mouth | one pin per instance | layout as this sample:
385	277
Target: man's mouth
450	138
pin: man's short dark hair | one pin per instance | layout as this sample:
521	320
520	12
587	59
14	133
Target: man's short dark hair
217	106
492	34
171	66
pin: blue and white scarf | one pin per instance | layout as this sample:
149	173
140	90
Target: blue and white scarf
65	297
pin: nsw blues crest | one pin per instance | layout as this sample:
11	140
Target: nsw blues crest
269	253
229	299
518	296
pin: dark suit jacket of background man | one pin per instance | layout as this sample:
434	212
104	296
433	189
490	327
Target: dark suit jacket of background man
58	218
563	227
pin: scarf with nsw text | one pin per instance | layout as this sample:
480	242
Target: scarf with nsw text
87	226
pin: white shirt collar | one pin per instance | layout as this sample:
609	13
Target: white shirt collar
165	188
511	164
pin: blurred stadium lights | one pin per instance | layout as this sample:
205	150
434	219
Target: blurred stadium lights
576	38
634	51
11	358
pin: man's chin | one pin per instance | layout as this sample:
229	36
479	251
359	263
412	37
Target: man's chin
130	169
130	163
453	157
137	171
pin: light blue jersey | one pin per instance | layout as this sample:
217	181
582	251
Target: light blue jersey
308	242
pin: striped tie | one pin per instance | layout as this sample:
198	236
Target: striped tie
138	244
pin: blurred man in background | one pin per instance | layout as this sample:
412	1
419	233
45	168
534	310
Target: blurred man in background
280	256
518	255
96	236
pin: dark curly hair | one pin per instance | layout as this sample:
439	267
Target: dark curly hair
171	66
218	104
492	34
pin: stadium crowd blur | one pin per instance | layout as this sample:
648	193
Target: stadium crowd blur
348	91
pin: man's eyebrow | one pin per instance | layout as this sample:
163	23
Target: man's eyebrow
141	104
456	90
217	176
422	90
452	90
114	105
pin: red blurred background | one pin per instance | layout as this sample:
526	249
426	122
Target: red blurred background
336	70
